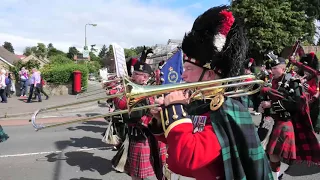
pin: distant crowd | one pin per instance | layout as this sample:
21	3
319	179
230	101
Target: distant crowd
30	84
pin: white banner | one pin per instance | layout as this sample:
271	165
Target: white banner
120	60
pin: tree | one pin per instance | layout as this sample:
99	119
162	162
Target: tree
28	51
72	52
110	51
103	51
8	46
54	52
311	7
41	51
272	25
139	49
108	60
318	42
130	52
93	57
50	46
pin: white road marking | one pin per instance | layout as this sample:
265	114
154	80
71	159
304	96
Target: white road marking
50	152
50	116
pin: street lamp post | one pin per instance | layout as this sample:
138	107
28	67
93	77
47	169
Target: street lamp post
85	34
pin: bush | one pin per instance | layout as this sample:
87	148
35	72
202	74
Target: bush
60	59
63	73
19	64
94	67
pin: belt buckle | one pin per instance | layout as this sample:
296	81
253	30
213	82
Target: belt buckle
167	172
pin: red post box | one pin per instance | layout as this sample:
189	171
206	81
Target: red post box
77	82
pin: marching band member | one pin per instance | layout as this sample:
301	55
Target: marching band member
254	99
311	87
145	155
211	139
292	138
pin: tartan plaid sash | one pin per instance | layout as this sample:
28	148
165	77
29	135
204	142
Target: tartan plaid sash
242	153
3	135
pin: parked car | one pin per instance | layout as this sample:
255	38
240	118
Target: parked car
92	77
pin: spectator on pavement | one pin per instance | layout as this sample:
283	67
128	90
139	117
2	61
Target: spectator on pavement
3	86
42	84
8	85
24	76
35	81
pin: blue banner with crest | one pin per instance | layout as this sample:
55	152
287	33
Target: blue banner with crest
172	69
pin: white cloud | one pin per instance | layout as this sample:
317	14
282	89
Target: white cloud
61	22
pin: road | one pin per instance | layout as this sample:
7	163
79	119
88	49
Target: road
76	152
73	152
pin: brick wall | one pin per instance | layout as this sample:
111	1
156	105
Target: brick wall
3	65
308	49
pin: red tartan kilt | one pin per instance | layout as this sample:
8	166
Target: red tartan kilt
139	159
282	140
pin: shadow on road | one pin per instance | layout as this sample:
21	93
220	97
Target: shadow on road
88	114
84	142
95	129
82	178
84	160
302	170
97	123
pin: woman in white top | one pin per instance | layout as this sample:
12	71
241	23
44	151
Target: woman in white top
3	86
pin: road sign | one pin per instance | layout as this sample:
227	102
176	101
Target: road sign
86	53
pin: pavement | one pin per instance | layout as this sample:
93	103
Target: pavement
73	151
16	108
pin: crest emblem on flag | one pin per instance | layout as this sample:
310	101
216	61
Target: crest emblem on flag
172	69
172	75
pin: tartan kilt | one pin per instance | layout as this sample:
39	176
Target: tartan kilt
282	140
3	135
139	162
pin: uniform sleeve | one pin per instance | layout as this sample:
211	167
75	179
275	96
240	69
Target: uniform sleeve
188	150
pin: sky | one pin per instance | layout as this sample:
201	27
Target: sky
128	23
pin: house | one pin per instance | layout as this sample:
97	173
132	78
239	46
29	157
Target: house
21	56
7	58
163	52
42	61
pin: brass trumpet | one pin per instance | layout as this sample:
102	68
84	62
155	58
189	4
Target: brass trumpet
134	93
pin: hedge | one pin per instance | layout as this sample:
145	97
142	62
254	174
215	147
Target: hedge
63	73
